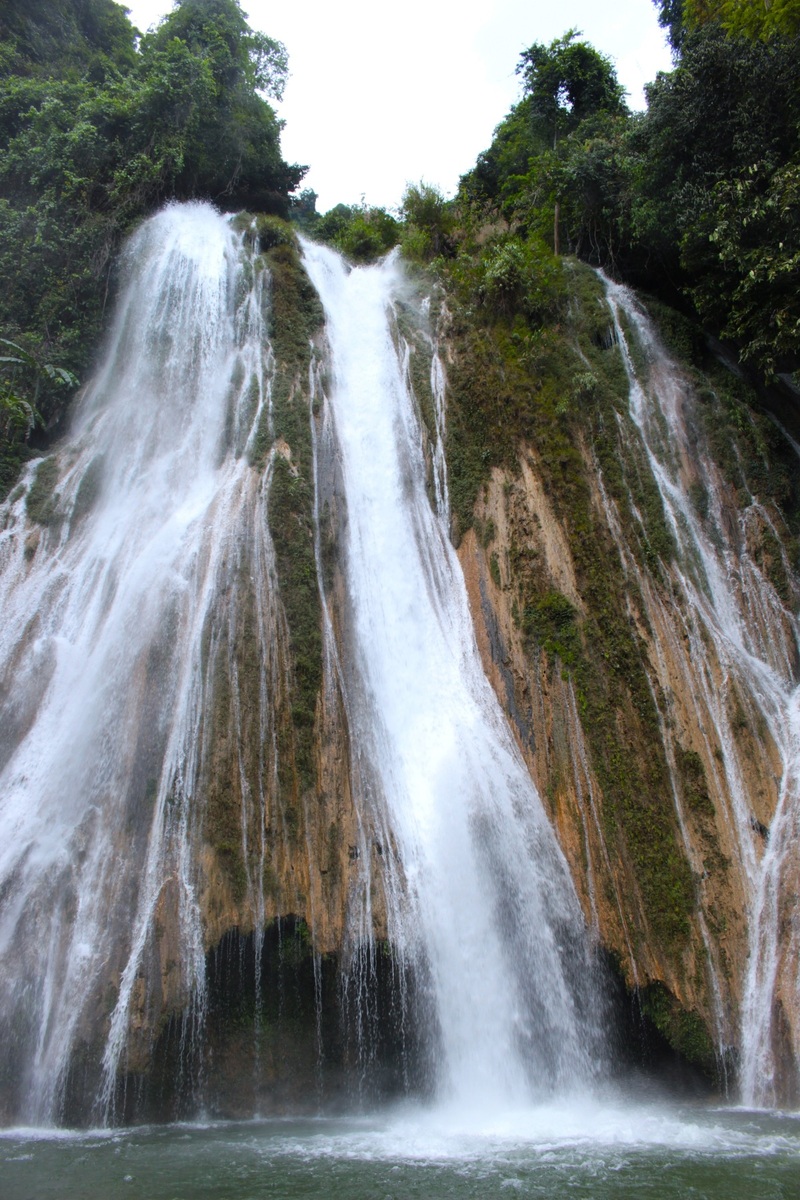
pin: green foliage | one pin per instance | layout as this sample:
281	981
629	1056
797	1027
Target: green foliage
303	210
429	222
213	67
716	188
558	164
94	134
670	17
519	276
295	315
362	233
272	231
22	376
91	37
746	18
497	182
693	781
551	620
567	82
684	1029
752	296
696	200
293	539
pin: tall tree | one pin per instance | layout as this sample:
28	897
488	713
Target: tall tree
567	82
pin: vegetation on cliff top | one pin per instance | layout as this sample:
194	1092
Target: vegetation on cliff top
97	128
696	200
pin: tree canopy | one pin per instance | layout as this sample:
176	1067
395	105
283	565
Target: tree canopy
753	19
696	199
567	82
98	127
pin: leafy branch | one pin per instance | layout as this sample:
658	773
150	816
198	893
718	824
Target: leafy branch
18	413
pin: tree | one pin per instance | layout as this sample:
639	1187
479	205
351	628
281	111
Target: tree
762	19
22	375
752	295
78	37
716	155
568	82
94	134
360	231
499	173
752	19
203	70
429	222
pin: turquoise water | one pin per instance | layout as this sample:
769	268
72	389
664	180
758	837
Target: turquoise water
587	1152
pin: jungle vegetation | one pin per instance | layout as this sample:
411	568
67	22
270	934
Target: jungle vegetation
99	125
696	200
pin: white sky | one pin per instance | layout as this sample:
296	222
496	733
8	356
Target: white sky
379	95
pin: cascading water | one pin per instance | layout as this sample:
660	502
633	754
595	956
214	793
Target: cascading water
743	642
479	897
113	614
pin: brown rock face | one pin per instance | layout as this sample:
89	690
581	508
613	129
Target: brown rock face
651	694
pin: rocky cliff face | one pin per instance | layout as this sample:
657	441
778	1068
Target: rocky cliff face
626	520
644	645
625	525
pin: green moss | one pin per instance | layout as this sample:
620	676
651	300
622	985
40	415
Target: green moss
41	502
89	489
293	537
487	534
694	784
295	315
265	229
273	231
683	338
229	855
563	390
551	621
685	1030
295	312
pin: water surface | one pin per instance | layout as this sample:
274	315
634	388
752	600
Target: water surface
576	1150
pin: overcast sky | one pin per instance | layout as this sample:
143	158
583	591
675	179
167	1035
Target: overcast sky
381	95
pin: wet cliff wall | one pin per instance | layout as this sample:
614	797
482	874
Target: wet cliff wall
626	511
627	532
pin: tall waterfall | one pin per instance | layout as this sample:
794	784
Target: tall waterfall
742	640
112	609
479	895
127	558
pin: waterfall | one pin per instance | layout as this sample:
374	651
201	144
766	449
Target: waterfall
742	641
479	898
116	607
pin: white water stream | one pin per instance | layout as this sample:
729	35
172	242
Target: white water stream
481	892
110	617
742	641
